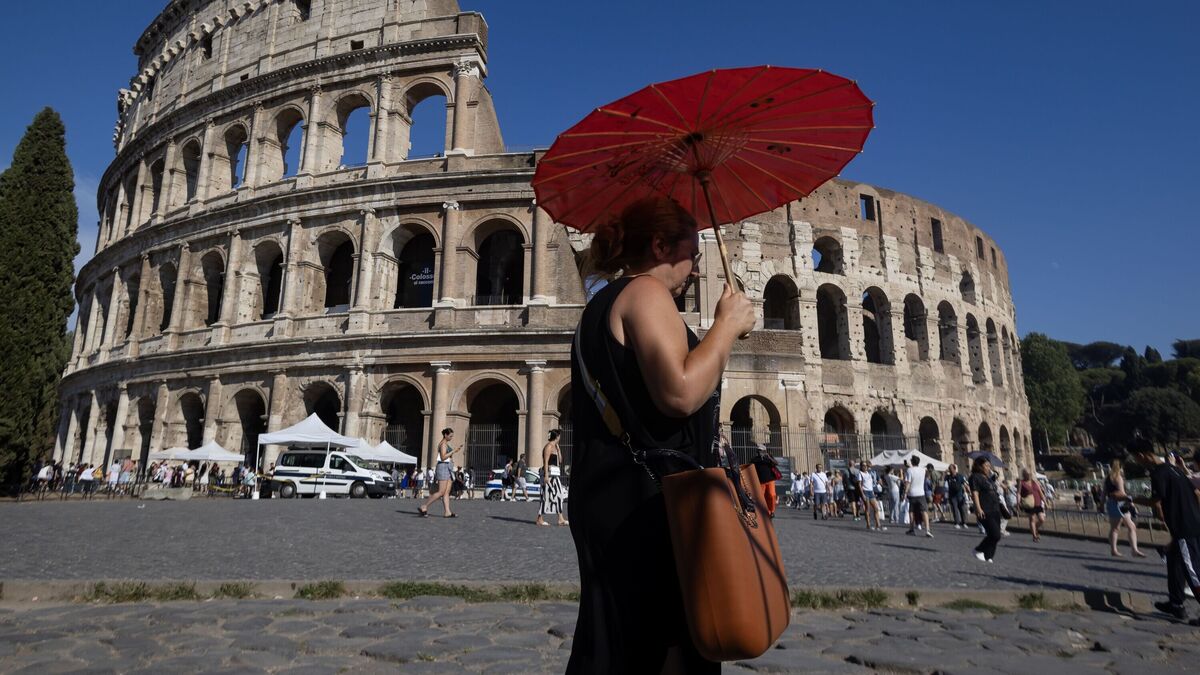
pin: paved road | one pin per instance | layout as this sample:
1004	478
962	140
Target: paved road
382	539
445	635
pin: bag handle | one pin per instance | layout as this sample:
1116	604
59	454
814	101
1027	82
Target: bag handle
612	421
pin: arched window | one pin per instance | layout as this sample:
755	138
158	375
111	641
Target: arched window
962	442
975	351
493	434
237	147
500	272
212	267
269	260
877	327
132	292
191	170
985	438
166	284
282	156
916	333
839	440
425	135
827	256
948	334
886	431
414	258
339	275
252	421
156	185
191	410
322	400
781	304
966	287
354	130
832	328
402	404
754	421
995	360
130	191
930	438
1006	450
1006	353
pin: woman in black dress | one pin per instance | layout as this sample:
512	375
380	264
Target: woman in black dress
663	383
987	508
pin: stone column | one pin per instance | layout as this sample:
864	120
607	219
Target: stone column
541	256
179	302
355	384
78	342
139	317
161	402
441	396
231	292
206	163
383	111
451	223
275	414
61	439
212	409
114	300
89	439
138	200
465	74
537	411
360	318
118	433
168	190
311	162
289	284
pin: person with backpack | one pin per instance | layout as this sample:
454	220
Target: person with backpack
1177	502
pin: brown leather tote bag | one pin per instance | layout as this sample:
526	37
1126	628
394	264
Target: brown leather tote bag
730	568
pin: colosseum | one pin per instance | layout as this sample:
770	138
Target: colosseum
269	248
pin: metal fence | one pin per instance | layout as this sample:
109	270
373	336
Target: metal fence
806	449
490	446
397	435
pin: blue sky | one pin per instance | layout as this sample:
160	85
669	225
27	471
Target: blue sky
1066	130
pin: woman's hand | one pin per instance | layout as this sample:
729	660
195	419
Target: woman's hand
736	310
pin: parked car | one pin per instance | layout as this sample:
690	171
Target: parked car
309	472
533	483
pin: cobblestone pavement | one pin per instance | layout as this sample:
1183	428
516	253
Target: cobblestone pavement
446	635
493	542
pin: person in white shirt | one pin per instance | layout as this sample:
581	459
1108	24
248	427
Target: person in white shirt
114	474
867	482
87	478
918	501
820	494
797	489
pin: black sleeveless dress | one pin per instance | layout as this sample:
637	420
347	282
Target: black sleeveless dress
630	610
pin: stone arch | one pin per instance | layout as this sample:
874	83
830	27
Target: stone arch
466	392
209	289
833	329
335	251
887	433
985	438
409	264
839	438
839	420
268	262
325	401
190	159
960	436
403	403
1018	449
158	170
351	140
877	326
995	359
142	427
167	277
948	334
283	148
930	437
1006	356
500	268
425	127
191	416
966	288
781	304
133	292
250	406
1006	449
975	351
916	329
755	420
229	158
827	256
493	431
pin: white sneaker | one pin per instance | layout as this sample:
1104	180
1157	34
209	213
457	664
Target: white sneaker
980	557
929	534
883	529
990	561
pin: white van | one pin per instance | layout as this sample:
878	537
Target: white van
308	472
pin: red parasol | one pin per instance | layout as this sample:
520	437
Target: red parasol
743	140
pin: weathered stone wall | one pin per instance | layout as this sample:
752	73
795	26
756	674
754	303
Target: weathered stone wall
402	296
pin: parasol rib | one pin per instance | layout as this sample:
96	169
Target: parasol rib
648	120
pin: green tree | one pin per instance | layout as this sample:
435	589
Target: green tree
1098	354
38	221
1134	367
1162	415
1052	386
1186	348
1152	355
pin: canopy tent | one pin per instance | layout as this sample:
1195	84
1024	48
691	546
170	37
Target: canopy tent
310	433
211	452
904	457
171	455
385	452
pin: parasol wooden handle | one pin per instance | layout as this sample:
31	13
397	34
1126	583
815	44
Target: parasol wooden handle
712	214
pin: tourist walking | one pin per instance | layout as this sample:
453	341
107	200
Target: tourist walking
1032	503
894	483
1119	507
956	496
443	474
987	507
867	483
664	385
552	488
768	472
519	480
87	478
918	502
1175	500
820	494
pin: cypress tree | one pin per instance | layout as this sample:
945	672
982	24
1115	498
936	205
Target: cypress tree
38	224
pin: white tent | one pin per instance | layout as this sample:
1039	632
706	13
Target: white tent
211	452
904	457
310	433
385	452
171	455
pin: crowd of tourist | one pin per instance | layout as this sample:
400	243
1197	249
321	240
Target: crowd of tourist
124	477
